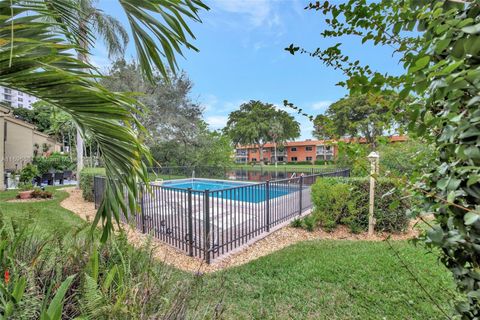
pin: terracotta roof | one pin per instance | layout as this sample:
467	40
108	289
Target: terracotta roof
320	142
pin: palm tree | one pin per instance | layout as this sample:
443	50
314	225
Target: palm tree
36	57
111	33
276	130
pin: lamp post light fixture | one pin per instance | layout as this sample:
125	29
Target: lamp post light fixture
373	157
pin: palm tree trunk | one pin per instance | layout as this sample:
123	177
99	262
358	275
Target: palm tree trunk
82	57
275	152
261	154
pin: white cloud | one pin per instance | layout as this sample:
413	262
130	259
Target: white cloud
306	127
217	122
209	102
258	12
321	106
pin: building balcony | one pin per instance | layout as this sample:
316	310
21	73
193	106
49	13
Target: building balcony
319	153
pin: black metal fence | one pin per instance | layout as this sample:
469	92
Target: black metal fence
208	224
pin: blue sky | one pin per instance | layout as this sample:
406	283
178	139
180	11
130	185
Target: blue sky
242	57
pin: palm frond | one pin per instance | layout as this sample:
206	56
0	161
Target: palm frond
168	27
112	32
40	61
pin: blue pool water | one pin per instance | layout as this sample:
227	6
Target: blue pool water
223	189
202	185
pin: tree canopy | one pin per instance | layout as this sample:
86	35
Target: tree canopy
175	130
367	116
437	42
43	64
258	123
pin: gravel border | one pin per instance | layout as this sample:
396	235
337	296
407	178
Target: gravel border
274	241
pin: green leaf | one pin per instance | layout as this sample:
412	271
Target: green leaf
470	218
472	29
19	289
442	45
55	309
420	64
436	235
458	50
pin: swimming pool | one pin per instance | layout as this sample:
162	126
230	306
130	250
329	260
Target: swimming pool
247	192
202	184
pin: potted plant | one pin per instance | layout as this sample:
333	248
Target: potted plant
27	174
26	190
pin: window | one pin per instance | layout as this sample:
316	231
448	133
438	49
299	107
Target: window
293	149
7	90
20	105
20	99
8	97
294	159
309	158
254	159
309	148
20	93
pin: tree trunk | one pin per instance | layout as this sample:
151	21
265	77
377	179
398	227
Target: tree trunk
275	152
79	156
261	154
82	57
70	152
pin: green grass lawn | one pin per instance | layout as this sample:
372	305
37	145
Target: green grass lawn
322	279
46	216
336	280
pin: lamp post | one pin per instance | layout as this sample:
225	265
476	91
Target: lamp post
373	157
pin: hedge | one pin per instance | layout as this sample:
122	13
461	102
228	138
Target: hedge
299	163
344	201
86	181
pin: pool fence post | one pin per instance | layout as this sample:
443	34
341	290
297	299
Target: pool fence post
190	223
267	211
300	198
207	226
142	211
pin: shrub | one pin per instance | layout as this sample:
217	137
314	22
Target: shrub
75	277
391	204
330	201
41	194
25	186
345	201
299	163
396	159
86	181
323	162
28	172
54	162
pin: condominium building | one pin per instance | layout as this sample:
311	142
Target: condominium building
296	151
16	99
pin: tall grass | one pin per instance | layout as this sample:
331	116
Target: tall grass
73	276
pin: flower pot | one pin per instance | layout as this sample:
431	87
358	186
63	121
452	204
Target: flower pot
25	194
